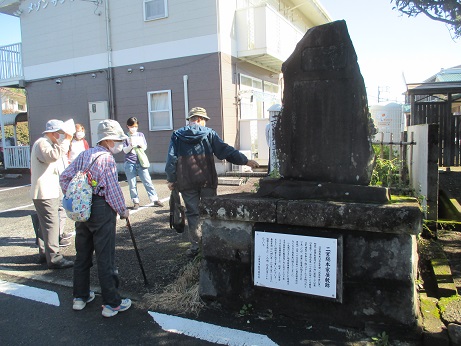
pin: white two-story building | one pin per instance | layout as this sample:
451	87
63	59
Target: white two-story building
155	59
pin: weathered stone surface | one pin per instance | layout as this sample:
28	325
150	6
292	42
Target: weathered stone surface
451	310
229	283
435	332
322	134
380	257
391	303
430	314
240	207
378	274
228	241
299	189
387	218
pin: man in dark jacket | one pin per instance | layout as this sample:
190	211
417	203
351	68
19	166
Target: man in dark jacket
191	169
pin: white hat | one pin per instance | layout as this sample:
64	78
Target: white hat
53	125
110	129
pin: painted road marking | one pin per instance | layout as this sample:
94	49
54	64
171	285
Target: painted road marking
12	188
27	292
148	205
12	209
209	332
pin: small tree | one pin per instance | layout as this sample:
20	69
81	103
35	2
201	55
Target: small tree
445	11
22	132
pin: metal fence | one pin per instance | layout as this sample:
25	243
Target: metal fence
11	61
17	156
401	152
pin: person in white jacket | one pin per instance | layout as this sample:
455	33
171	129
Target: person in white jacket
45	159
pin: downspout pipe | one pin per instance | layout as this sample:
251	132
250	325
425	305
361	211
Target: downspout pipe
185	79
110	77
3	136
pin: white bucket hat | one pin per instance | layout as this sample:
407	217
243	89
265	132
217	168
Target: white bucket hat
53	125
110	129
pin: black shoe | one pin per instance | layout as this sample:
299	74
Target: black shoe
64	243
136	206
158	204
62	264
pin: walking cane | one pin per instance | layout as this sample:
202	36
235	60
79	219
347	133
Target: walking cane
136	250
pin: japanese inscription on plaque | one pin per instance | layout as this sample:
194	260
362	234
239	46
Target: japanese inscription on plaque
302	264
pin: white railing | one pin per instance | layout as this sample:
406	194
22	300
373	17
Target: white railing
11	62
17	157
262	30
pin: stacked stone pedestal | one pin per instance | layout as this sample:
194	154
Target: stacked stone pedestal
379	258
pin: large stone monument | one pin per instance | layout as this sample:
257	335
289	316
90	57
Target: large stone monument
322	134
318	243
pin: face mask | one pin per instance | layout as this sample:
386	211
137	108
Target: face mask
133	130
61	138
118	146
79	134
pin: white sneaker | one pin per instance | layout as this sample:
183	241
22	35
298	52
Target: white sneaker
80	303
109	311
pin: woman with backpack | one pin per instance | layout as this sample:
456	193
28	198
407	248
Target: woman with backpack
97	234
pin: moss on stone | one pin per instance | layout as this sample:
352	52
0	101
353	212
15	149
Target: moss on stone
444	302
429	308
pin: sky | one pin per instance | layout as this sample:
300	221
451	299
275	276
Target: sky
389	45
391	48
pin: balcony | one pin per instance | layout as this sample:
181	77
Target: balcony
264	37
11	72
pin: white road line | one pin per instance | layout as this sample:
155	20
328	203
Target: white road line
16	187
27	292
148	205
210	332
12	209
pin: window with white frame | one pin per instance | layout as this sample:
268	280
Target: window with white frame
160	112
155	9
256	97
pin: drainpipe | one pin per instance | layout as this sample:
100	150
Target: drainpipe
110	77
185	79
3	135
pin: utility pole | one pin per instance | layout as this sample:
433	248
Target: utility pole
384	89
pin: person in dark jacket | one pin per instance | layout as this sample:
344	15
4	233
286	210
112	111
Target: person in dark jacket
191	169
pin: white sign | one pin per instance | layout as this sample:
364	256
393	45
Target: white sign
296	263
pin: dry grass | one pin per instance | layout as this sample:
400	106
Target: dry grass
181	296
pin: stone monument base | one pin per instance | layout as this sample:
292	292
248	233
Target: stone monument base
377	257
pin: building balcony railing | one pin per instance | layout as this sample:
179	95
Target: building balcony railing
11	72
264	37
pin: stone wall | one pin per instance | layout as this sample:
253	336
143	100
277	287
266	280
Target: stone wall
379	258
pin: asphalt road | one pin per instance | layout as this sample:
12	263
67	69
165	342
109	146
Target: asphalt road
25	321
